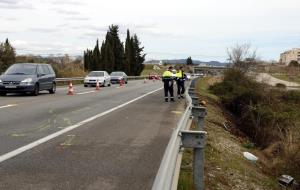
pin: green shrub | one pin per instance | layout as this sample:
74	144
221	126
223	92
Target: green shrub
266	115
280	85
292	96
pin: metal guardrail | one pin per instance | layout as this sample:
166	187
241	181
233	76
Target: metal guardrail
167	176
82	78
70	79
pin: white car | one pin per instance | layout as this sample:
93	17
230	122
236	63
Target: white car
101	76
188	76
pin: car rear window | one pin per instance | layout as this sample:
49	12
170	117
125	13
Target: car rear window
21	69
96	74
116	74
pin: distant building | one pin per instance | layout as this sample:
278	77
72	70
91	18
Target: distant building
203	65
290	55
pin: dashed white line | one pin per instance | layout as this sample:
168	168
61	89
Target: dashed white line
9	105
81	93
67	129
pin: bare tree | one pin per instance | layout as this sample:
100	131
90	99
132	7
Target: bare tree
242	57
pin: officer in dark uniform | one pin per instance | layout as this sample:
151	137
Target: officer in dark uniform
180	78
168	79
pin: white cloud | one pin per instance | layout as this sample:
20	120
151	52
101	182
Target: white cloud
15	4
203	28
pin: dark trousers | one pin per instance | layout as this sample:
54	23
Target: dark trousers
180	87
168	87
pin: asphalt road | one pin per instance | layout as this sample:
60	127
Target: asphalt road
120	148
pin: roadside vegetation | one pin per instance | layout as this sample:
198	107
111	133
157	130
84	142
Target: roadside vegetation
7	55
269	117
244	115
225	166
63	66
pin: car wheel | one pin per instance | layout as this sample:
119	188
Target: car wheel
109	84
85	85
36	90
53	89
2	93
126	82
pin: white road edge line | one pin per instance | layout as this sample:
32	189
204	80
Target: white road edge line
67	129
88	92
9	105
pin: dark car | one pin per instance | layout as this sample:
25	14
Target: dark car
28	77
153	77
117	76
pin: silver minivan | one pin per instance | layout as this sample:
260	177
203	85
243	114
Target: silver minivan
28	77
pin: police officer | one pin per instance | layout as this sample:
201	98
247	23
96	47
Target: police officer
168	78
180	78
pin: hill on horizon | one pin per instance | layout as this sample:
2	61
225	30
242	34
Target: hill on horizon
183	61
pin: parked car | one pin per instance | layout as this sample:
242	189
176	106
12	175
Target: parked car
101	76
28	77
153	77
188	76
117	76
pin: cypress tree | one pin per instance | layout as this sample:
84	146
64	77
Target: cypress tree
138	56
102	56
85	61
114	49
112	56
128	56
96	57
189	61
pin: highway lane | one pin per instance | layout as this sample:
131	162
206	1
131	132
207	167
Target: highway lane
32	118
121	150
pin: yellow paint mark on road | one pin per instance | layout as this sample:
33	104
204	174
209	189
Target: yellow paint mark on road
81	109
44	127
18	135
68	141
177	112
67	120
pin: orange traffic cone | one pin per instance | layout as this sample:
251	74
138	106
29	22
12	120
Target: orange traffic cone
121	82
97	86
71	90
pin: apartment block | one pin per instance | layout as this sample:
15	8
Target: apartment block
290	55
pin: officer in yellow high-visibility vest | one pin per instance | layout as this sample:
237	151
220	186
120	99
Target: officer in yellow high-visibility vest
180	78
168	78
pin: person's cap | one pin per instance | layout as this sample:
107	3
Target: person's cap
170	67
181	67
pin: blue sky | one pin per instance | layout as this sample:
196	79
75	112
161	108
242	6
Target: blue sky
168	29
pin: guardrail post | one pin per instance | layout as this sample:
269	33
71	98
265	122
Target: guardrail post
195	100
199	114
191	89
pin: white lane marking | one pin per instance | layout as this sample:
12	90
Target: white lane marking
9	105
67	129
88	92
